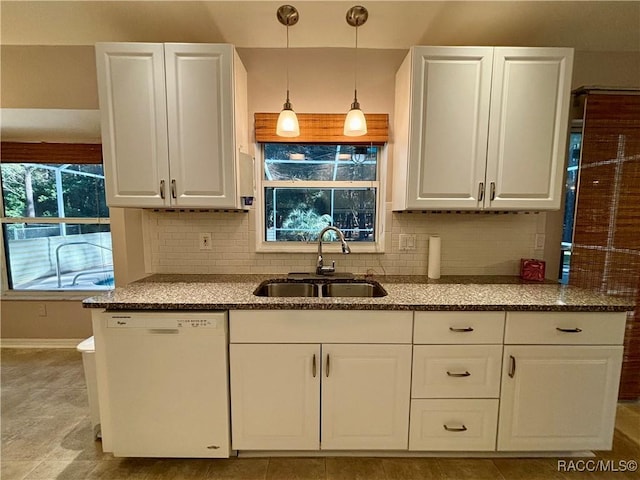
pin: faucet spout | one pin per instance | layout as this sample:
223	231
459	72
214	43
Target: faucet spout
321	269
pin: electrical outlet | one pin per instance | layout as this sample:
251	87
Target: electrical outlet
539	241
42	310
205	241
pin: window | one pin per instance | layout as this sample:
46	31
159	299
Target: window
55	225
573	164
307	187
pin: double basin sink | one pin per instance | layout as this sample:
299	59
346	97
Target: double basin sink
320	287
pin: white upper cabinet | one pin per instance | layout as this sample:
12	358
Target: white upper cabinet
174	124
481	128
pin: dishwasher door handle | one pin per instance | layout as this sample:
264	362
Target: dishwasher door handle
163	331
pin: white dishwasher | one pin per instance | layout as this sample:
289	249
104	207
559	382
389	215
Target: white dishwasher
167	386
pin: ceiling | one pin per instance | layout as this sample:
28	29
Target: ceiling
586	26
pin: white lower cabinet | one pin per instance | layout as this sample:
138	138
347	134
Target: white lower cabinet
365	396
453	424
560	376
471	381
455	388
559	397
312	380
277	404
275	396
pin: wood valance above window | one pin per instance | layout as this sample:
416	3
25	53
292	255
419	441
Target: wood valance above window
322	128
43	152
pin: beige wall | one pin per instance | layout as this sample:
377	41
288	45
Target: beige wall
61	319
321	80
48	77
65	76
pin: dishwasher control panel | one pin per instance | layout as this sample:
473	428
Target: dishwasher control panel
196	323
164	321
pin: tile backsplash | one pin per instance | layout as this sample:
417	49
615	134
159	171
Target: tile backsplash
472	244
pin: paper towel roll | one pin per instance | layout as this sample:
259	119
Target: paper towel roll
433	270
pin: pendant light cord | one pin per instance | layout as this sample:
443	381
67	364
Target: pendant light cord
287	64
355	73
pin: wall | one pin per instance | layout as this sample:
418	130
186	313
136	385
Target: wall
321	80
472	244
61	320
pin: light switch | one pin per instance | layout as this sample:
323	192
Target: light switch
205	241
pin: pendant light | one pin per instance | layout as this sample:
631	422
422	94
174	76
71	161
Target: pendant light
287	120
355	124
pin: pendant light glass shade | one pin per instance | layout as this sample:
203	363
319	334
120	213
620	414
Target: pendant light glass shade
287	125
355	124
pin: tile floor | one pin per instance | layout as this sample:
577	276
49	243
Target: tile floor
46	434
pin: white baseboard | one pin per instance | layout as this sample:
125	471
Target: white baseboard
40	342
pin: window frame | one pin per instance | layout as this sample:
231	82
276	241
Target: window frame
84	154
377	246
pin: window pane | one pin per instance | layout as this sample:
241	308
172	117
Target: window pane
298	214
59	256
301	162
34	190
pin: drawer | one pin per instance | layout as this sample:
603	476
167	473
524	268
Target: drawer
565	328
453	424
320	326
458	327
456	371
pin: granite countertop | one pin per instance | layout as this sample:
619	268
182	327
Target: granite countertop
235	292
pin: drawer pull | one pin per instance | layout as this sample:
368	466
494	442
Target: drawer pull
466	329
328	366
463	428
313	366
454	374
569	330
512	366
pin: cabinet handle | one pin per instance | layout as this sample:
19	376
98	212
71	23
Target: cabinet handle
569	330
492	196
162	189
481	191
463	428
173	188
313	366
327	369
512	366
466	329
454	374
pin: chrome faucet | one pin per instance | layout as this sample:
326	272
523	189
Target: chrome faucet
320	268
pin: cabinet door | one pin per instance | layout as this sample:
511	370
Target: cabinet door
131	88
528	127
275	396
449	120
200	109
558	397
365	396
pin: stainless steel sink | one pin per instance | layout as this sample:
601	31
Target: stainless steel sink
285	289
353	289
